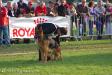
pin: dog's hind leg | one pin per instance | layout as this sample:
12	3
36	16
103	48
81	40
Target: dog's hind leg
58	54
46	50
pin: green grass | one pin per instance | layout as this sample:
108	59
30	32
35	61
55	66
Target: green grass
79	58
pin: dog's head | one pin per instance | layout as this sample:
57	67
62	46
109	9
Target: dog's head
61	31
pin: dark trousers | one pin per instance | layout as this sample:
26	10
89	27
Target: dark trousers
91	27
99	26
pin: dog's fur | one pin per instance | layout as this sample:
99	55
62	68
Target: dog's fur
43	43
49	48
55	50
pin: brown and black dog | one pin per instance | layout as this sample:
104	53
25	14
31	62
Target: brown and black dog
43	44
49	48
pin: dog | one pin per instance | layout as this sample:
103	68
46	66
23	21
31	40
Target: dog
42	42
49	48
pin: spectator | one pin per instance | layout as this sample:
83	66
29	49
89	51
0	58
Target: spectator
16	10
56	8
51	9
73	14
41	9
22	12
22	7
72	10
21	4
63	8
4	34
29	13
108	18
9	8
82	11
30	9
100	12
91	17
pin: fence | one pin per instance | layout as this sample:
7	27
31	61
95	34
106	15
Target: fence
91	26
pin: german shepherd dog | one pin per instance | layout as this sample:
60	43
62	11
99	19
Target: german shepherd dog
43	43
49	48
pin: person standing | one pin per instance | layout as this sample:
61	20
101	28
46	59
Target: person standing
108	18
91	17
100	12
4	33
83	13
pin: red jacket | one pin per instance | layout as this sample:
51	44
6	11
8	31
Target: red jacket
40	10
4	20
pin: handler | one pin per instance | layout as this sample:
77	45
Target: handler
4	20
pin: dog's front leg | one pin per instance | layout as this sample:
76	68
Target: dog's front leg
45	56
42	55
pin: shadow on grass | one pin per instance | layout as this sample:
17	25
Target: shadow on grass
91	59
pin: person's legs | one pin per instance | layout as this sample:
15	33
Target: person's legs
6	35
84	28
108	28
80	27
98	28
90	27
1	35
102	26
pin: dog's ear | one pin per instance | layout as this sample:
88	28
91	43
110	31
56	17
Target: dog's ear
63	30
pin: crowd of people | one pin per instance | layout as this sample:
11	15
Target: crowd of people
91	13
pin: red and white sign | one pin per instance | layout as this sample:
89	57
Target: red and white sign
25	27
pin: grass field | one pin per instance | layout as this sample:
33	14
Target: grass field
79	58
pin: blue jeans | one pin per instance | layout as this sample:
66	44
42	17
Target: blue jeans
98	27
91	27
4	35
